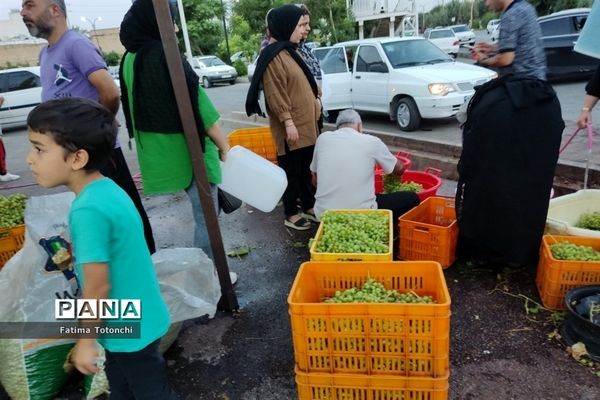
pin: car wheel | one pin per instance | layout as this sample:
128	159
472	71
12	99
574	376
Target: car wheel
331	115
206	83
232	82
407	114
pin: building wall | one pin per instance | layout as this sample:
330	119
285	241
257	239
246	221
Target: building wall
20	53
26	52
108	40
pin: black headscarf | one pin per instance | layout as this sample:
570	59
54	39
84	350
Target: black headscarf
154	106
282	22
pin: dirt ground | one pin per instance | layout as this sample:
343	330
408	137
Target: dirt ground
500	347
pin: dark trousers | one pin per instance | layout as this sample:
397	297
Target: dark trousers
117	170
398	203
296	164
2	158
140	375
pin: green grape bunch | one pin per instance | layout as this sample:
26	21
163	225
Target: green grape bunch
589	221
12	210
365	232
392	184
374	292
574	252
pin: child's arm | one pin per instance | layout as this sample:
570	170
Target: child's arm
214	132
96	286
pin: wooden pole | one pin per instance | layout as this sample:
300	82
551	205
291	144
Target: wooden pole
184	104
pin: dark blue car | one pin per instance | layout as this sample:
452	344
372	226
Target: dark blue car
560	32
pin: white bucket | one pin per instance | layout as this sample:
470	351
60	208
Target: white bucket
564	213
252	179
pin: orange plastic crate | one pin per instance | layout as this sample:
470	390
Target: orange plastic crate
11	241
429	232
259	140
556	277
395	339
321	256
320	386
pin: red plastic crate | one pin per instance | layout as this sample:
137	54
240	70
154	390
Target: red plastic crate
429	179
402	156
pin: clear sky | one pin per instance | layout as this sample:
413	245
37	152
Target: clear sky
112	11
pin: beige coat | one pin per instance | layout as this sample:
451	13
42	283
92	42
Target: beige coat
288	94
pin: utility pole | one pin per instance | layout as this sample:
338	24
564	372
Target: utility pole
92	22
226	36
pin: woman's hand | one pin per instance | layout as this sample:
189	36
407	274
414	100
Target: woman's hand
292	133
584	119
223	150
85	356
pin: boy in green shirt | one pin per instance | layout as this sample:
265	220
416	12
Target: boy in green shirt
71	140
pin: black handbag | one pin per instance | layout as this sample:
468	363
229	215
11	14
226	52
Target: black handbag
228	203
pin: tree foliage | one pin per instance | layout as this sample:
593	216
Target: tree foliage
204	23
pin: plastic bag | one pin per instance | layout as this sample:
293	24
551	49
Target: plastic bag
29	283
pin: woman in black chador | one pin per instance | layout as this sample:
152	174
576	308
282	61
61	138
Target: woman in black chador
511	141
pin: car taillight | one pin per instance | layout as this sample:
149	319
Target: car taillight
456	42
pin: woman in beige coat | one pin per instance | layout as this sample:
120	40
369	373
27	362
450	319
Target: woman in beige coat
294	108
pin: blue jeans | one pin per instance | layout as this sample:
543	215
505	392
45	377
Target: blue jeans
201	239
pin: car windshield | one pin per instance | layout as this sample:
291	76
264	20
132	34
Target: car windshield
212	62
461	28
441	34
414	52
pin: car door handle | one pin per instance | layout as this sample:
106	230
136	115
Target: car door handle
357	76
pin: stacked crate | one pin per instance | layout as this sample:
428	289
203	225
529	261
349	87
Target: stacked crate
11	241
370	350
316	255
259	140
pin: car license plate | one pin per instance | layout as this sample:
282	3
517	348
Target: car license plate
225	76
466	99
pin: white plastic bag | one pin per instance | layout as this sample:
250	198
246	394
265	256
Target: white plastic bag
33	368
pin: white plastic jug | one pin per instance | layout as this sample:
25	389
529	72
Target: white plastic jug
252	179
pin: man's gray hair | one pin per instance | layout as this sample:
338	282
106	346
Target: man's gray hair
347	117
61	5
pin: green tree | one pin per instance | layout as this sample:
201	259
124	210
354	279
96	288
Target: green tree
205	28
112	58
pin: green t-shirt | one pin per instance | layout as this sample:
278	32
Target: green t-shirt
164	159
106	228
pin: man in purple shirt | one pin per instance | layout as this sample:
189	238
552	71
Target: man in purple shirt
72	66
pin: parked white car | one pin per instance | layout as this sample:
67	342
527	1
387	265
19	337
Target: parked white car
495	33
407	78
211	70
464	34
491	25
251	68
22	91
445	39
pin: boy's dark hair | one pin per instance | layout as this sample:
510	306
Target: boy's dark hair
77	124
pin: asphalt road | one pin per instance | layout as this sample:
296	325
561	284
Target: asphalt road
229	100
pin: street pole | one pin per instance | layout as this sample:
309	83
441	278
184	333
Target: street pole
184	31
226	36
93	24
